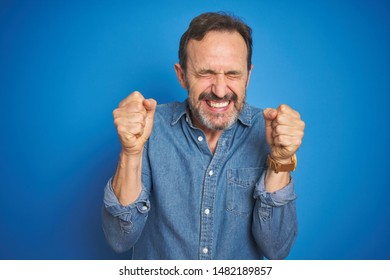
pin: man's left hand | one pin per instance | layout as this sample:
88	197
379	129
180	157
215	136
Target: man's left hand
284	132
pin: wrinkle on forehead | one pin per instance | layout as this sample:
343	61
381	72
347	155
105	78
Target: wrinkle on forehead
219	52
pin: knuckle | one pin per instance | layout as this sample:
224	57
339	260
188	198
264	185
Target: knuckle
115	113
283	108
138	106
121	129
116	122
137	95
120	104
131	97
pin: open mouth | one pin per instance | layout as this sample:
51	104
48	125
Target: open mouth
218	105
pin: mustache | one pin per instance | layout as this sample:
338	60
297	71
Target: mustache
212	97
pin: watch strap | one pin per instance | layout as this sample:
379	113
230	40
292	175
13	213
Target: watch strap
279	167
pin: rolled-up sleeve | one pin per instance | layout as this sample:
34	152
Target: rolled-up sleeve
122	225
275	222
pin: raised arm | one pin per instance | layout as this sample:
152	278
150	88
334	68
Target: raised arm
134	122
274	219
126	204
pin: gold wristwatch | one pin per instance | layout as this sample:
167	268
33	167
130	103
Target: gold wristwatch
279	167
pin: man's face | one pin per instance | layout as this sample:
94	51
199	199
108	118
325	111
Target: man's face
216	79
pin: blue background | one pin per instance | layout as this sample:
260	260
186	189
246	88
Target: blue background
64	66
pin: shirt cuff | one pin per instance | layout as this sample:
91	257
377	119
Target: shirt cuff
278	198
113	206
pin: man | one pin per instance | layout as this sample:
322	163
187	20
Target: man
193	180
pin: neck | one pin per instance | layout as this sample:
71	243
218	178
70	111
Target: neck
212	135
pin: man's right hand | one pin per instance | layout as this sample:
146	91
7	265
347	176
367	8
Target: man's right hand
134	122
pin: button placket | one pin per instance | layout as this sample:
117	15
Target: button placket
208	198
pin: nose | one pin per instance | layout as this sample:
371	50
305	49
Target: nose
219	86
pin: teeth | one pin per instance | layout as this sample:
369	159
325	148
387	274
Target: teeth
218	104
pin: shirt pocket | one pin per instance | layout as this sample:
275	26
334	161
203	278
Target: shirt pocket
240	187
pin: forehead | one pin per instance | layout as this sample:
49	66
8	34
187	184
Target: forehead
218	49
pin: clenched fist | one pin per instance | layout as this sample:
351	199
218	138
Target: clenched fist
284	132
134	122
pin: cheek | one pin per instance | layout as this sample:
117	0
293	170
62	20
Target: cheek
197	87
238	87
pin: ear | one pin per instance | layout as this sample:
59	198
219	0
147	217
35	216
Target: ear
249	76
181	75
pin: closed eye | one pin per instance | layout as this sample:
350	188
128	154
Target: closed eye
206	73
233	74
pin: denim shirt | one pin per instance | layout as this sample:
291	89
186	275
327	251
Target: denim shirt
196	205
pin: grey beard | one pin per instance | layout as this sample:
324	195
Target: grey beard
202	118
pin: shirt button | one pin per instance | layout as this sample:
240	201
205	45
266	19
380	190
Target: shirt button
211	172
207	211
200	138
144	208
205	250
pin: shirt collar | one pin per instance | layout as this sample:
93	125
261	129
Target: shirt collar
179	111
182	109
